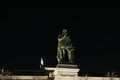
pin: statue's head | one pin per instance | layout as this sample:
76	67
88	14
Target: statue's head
64	31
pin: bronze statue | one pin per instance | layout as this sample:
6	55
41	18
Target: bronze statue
64	47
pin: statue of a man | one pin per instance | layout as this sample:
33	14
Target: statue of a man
64	47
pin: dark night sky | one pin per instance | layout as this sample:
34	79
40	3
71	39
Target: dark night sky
30	33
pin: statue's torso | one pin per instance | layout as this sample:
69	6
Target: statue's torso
66	42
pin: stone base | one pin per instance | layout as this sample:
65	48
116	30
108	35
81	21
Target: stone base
66	72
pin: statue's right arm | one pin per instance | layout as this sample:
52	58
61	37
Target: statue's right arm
60	39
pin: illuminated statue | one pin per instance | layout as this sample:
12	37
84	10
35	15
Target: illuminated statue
64	48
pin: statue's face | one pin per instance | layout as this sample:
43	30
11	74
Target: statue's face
64	31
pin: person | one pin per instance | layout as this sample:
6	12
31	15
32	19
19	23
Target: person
64	47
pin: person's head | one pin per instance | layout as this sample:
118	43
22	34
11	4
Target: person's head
64	31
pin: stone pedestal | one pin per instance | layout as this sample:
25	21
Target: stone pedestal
66	72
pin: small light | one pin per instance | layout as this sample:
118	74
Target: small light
41	62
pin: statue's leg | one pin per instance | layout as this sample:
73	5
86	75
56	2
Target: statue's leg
58	59
69	55
59	56
63	52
